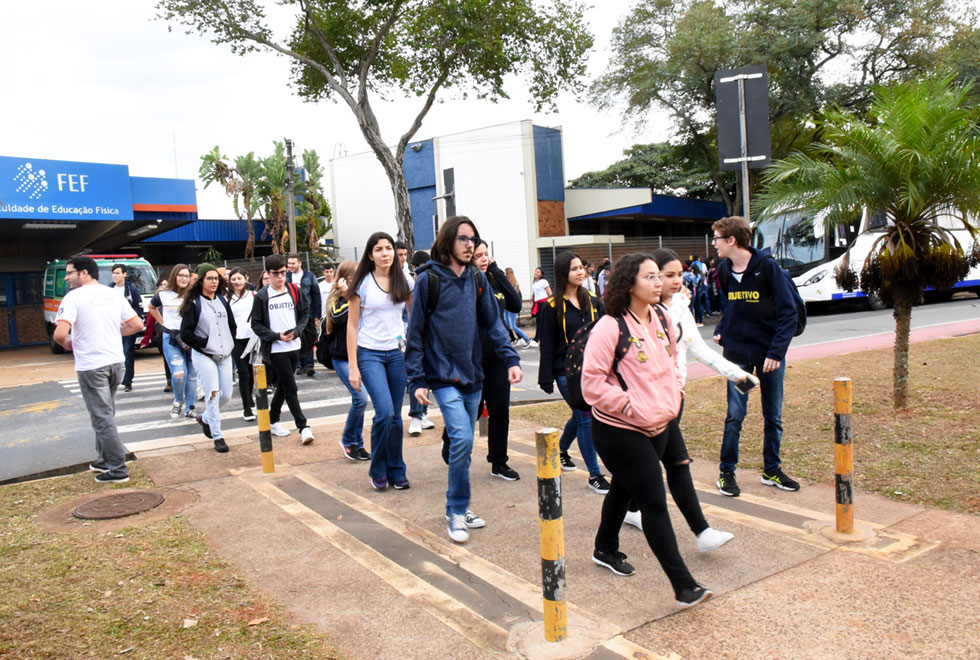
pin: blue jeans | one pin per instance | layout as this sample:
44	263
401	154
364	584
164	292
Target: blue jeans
459	412
771	391
703	299
510	322
579	425
353	430
416	410
383	376
183	376
215	377
129	357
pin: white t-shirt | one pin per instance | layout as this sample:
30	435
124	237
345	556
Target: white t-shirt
282	317
381	325
540	289
95	313
325	288
242	309
169	308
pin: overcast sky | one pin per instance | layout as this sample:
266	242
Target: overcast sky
105	82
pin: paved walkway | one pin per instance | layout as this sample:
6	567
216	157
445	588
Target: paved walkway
376	572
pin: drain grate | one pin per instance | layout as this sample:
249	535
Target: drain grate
118	505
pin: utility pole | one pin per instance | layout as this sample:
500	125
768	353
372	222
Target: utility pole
290	195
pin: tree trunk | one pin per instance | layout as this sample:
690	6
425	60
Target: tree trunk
903	298
399	187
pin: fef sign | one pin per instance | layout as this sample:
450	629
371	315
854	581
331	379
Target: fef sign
40	189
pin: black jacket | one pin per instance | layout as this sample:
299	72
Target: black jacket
507	300
338	330
260	318
188	325
559	322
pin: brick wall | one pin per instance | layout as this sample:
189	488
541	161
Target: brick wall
30	324
551	218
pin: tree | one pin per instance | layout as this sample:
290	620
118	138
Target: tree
817	54
666	168
916	160
354	50
258	189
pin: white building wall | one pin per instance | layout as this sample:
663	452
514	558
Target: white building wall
492	174
361	202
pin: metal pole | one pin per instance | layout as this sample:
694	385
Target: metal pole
553	257
843	456
660	242
609	249
290	195
706	244
552	526
743	134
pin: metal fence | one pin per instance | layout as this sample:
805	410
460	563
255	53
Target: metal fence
686	247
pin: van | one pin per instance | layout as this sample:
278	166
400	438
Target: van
139	272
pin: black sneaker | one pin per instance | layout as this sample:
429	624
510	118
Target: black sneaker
204	425
220	446
101	468
168	388
566	462
727	485
504	471
688	597
355	453
779	479
599	484
117	477
310	373
614	561
128	387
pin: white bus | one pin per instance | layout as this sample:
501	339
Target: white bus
800	243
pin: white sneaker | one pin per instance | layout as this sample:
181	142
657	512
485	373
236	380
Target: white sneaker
712	539
472	520
278	429
306	435
415	427
532	344
457	529
200	393
427	423
175	410
633	518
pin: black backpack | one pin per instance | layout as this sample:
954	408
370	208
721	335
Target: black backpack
575	356
725	273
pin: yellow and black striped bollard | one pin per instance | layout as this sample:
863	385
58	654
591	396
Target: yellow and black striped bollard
262	415
552	535
843	456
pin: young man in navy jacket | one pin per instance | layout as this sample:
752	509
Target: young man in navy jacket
444	354
755	331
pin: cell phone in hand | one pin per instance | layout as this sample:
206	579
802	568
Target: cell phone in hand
745	385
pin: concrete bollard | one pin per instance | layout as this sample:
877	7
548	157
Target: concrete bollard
262	416
552	527
843	456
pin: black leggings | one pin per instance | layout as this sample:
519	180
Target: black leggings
496	397
244	376
284	366
633	459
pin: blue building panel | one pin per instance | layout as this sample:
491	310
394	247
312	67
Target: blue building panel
423	210
666	206
41	189
174	192
548	164
209	231
420	165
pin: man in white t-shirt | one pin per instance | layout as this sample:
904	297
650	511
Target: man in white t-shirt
307	283
91	322
326	286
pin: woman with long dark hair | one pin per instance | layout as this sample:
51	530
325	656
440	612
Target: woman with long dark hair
560	317
208	326
337	314
241	298
165	309
375	341
634	406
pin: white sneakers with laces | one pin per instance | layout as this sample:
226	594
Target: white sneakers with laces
712	539
278	429
306	435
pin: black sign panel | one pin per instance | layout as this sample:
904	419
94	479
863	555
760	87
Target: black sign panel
756	117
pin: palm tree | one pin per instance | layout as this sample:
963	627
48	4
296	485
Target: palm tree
916	160
271	194
313	212
239	182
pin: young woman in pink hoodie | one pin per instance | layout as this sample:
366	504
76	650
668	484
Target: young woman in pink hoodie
632	426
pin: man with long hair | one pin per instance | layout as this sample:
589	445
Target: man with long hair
444	353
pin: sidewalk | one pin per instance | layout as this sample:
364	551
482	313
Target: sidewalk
376	572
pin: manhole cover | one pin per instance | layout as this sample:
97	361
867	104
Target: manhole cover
117	505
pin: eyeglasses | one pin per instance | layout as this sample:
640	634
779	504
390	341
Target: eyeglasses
466	240
70	272
278	273
656	276
719	238
183	275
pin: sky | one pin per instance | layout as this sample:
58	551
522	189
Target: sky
106	82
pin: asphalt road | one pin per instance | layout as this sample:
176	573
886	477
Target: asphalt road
45	427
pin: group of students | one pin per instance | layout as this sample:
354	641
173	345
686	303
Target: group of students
442	336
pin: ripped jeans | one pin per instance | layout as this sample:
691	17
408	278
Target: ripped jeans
216	379
183	376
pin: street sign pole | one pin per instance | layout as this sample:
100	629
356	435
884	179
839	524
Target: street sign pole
744	139
752	147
